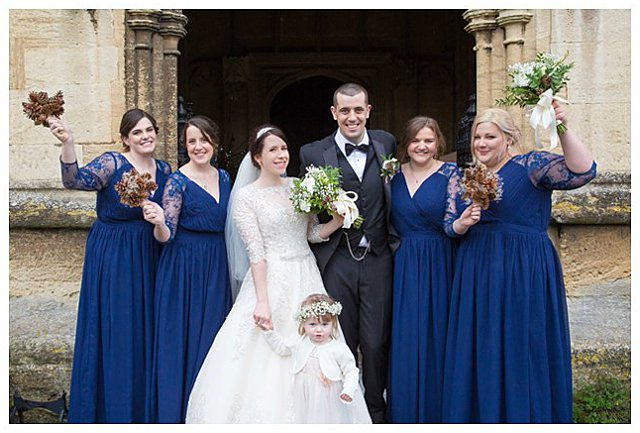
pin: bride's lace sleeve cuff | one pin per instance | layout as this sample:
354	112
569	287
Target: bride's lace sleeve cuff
313	230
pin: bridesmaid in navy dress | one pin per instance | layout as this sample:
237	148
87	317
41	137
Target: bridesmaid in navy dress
193	295
115	312
422	193
508	355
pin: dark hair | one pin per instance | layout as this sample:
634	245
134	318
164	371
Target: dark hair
350	89
411	130
257	143
130	119
209	129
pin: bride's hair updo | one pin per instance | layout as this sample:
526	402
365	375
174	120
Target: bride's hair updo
257	137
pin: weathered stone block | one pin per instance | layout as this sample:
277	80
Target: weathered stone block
594	255
91	64
591	25
46	263
41	346
36	166
51	208
604	200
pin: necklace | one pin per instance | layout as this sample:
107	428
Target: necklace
425	174
204	180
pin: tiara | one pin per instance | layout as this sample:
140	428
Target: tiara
263	131
318	309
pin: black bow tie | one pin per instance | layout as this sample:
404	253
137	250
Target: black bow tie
348	147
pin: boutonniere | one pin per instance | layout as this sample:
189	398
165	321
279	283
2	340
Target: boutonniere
390	167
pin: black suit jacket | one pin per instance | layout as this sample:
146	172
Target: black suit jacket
324	152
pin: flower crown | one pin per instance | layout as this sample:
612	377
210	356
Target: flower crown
318	309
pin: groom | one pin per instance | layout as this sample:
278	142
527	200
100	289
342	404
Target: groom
357	264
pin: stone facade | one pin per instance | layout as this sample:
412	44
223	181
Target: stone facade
106	61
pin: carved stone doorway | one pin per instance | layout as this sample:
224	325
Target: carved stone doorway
302	110
244	68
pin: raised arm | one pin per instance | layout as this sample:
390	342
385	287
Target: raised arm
576	154
92	177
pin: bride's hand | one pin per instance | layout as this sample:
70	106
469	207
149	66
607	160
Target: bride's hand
262	315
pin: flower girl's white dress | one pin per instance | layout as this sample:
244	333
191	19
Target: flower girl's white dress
242	380
321	373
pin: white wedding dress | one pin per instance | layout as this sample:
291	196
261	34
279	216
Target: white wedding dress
242	380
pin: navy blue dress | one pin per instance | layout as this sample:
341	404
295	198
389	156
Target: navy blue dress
193	293
423	273
111	358
508	354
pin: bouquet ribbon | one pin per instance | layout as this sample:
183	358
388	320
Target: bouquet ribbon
345	206
543	116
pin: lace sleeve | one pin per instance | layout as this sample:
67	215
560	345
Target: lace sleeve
550	171
455	204
313	230
247	222
164	166
277	343
94	176
172	204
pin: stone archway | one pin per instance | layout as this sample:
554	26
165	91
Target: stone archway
302	111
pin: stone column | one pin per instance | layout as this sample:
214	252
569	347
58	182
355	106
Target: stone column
144	23
514	22
172	29
482	23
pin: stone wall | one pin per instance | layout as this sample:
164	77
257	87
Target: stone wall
80	52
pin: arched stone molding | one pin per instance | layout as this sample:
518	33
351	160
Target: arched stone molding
259	77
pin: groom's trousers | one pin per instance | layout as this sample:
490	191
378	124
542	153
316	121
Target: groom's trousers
365	290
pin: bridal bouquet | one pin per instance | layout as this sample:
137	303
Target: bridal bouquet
481	185
319	190
536	84
134	188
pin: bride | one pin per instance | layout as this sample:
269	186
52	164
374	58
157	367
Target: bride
242	380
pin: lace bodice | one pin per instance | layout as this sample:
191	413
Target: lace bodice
101	174
189	207
528	181
269	225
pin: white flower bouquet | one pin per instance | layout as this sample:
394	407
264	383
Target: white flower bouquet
536	84
319	191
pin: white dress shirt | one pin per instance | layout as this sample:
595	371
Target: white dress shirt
358	161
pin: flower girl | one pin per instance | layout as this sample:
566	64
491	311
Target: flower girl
325	376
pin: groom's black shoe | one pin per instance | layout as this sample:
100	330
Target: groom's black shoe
378	417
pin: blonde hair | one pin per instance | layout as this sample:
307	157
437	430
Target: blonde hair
503	120
319	297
